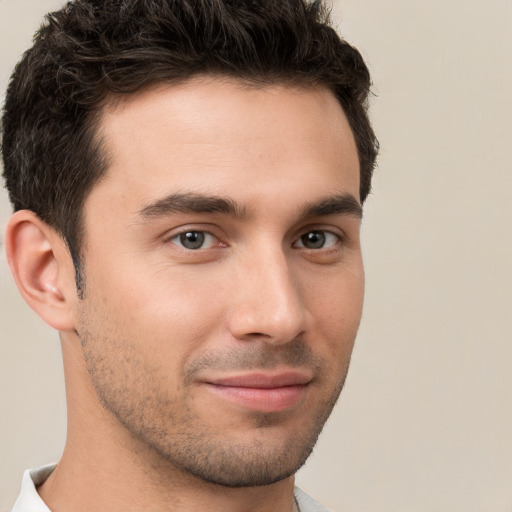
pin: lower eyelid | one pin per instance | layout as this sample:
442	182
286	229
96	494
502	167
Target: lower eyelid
338	239
175	239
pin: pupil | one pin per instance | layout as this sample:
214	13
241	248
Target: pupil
192	239
314	240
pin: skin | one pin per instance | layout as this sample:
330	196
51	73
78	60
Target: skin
151	423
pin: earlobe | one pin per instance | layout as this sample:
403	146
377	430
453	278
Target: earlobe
42	269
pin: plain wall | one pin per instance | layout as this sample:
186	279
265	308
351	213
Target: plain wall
425	420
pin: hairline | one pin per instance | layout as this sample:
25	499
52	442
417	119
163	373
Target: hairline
114	102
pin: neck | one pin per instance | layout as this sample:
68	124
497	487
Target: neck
79	487
104	467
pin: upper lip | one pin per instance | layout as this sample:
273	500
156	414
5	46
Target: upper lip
262	380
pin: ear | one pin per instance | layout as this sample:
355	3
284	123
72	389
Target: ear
42	268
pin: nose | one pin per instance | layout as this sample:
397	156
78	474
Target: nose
268	304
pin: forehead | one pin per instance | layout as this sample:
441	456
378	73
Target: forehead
219	136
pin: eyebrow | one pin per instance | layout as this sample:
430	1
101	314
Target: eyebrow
345	204
192	203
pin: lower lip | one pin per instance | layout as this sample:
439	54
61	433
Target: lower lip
261	399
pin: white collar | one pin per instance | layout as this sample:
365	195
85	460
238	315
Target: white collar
29	500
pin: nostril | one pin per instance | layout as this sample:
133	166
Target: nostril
257	335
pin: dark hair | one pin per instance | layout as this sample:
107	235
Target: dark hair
93	49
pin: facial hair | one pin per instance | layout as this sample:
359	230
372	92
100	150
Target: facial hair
169	424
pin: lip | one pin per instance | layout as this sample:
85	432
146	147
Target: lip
259	391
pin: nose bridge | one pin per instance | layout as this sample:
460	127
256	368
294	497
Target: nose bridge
269	302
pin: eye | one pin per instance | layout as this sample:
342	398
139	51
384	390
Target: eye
194	240
317	240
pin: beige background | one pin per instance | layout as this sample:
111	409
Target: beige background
425	420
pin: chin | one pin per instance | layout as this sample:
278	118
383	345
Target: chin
236	466
270	450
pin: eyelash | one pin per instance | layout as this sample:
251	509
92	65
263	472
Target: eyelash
336	239
203	233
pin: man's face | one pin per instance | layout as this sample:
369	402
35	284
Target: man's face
223	271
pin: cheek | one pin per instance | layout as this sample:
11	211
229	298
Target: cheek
168	309
336	306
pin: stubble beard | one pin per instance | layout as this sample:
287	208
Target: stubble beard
172	433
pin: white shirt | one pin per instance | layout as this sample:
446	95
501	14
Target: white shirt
30	501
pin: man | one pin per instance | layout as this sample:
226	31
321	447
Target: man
188	179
